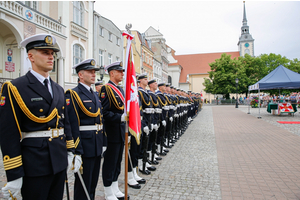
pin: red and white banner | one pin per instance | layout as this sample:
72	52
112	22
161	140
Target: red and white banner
285	108
132	108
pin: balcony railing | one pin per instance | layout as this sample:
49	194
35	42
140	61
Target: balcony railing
20	10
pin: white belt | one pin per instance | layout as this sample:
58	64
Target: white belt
158	110
171	107
141	118
96	127
147	110
53	133
166	107
152	110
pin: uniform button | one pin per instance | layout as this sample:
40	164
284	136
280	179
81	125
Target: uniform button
41	110
90	108
50	139
62	138
96	132
63	107
49	128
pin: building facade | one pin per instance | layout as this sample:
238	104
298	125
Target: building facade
108	42
147	56
70	22
159	48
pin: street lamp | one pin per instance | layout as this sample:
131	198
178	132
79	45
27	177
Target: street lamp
236	84
101	71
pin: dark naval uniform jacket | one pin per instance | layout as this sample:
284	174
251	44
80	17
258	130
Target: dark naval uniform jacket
113	108
88	143
157	108
146	106
37	156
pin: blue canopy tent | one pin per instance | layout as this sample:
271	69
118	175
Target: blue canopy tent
279	78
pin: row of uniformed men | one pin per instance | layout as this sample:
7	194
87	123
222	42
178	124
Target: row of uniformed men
43	131
165	115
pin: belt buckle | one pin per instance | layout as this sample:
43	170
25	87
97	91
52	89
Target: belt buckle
98	127
56	130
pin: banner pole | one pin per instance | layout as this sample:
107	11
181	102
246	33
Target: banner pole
126	161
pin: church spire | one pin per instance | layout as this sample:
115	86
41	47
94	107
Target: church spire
244	17
246	42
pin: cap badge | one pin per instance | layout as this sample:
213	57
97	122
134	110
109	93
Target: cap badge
121	64
48	40
93	62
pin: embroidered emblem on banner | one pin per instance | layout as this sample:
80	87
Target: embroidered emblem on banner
2	101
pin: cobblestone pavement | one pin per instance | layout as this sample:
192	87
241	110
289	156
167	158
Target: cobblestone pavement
224	154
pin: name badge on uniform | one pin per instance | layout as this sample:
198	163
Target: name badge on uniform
102	95
37	99
87	101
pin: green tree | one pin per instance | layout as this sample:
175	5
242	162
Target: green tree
222	75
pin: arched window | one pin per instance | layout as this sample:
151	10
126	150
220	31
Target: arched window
78	12
77	55
170	80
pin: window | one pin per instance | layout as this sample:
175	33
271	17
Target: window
118	41
109	58
32	4
101	58
77	55
78	12
110	37
101	31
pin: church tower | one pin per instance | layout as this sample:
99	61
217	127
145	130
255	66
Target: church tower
246	42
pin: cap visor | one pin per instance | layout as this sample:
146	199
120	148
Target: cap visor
55	49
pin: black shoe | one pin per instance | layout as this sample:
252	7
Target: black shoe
142	181
146	172
123	198
154	162
158	158
151	168
163	154
166	150
137	186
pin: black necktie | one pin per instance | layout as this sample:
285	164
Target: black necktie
46	84
91	90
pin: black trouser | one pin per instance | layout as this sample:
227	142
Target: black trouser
49	187
112	163
91	170
134	151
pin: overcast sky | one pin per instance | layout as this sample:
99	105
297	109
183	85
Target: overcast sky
191	27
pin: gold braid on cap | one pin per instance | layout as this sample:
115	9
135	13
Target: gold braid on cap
154	104
75	96
11	89
112	98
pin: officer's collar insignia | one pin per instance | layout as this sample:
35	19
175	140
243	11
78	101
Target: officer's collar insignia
48	40
68	102
2	101
93	62
102	95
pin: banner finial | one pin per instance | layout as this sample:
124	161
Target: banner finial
128	27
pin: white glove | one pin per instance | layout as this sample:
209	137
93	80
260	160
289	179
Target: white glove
103	150
129	137
14	187
151	127
146	130
171	119
70	161
155	127
164	123
77	163
123	118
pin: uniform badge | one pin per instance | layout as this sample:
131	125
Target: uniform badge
68	102
102	95
2	101
48	40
